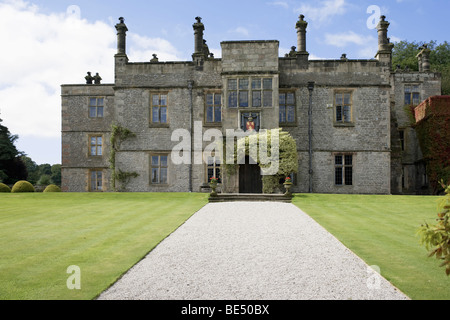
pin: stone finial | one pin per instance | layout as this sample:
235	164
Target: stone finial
89	78
155	58
301	33
121	36
97	78
344	56
424	58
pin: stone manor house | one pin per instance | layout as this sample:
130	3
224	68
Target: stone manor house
349	118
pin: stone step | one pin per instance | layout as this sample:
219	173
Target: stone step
228	197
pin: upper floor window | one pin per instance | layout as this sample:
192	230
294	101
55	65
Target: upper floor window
343	168
213	108
343	107
287	108
96	106
159	109
96	146
412	95
250	92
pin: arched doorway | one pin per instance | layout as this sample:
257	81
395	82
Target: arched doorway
250	180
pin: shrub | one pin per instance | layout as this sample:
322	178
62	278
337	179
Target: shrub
52	188
22	186
437	237
4	188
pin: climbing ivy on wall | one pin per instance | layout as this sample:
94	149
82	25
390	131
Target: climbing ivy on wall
433	133
288	156
118	135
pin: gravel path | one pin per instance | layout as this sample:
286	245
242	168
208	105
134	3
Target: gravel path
251	251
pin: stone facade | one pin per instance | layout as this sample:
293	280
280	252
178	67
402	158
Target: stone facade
348	117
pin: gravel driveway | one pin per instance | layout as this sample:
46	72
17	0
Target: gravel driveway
251	251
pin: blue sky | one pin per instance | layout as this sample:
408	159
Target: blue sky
47	43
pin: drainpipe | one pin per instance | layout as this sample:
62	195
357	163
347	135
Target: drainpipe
311	89
191	113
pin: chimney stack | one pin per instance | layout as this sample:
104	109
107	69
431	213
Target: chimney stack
301	34
424	59
121	37
198	34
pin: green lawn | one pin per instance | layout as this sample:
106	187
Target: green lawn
104	234
382	231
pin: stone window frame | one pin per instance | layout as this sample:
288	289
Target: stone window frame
414	89
216	166
250	91
159	154
345	168
93	135
343	123
159	124
214	105
295	122
97	187
96	106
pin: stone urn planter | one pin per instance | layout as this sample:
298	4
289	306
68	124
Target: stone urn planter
288	185
213	184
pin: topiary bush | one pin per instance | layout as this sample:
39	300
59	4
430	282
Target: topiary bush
52	188
4	188
22	186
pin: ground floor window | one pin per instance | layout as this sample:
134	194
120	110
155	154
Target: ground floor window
343	166
160	169
96	180
213	168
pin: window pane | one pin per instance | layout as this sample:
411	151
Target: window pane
256	98
217	175
291	114
209	99
155	100
155	176
282	99
282	114
348	176
243	98
163	161
232	99
99	150
163	114
217	99
407	98
92	112
348	160
164	100
338	113
338	176
155	161
290	98
267	84
100	102
347	117
338	160
100	112
416	98
210	173
93	151
93	102
243	84
338	99
267	98
232	84
218	114
163	175
256	84
209	114
407	89
347	98
415	89
99	180
155	114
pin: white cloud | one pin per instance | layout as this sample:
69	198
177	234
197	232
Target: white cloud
240	31
323	12
41	52
279	4
368	45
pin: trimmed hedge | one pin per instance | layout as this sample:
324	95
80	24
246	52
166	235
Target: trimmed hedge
4	188
22	186
52	188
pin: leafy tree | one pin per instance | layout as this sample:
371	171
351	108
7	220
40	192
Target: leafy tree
404	55
12	168
56	174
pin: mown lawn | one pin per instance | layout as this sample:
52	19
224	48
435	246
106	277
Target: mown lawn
382	231
104	234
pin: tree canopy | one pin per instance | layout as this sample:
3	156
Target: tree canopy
404	55
12	168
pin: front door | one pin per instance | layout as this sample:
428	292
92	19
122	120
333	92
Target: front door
250	180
